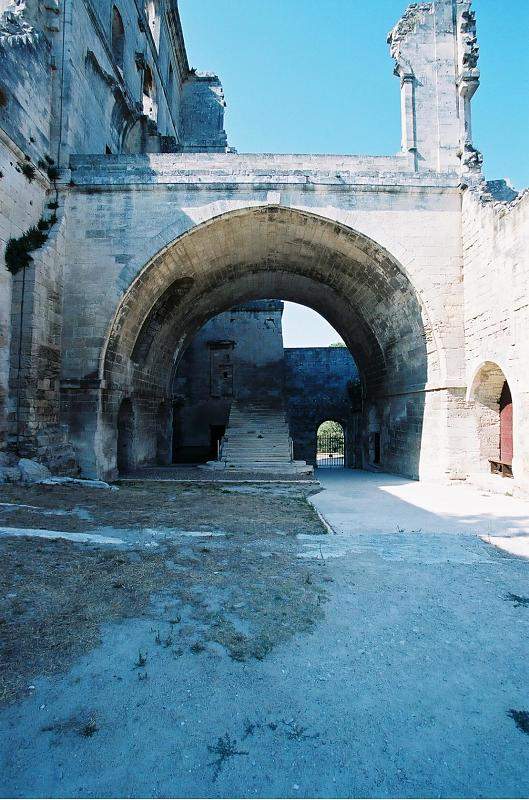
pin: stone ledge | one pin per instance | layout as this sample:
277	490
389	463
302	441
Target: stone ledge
226	170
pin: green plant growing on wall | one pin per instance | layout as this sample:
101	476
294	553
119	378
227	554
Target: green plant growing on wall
18	250
46	164
28	170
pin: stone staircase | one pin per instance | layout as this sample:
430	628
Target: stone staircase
257	439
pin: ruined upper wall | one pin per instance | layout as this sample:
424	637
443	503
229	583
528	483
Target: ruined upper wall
102	76
435	50
25	75
495	227
202	114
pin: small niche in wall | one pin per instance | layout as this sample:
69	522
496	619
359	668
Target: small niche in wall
3	97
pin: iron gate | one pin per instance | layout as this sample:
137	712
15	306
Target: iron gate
330	451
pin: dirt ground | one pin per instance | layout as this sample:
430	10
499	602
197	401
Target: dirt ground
221	645
56	594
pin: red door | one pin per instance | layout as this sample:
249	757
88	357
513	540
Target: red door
506	425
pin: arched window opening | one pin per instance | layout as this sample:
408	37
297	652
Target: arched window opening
149	94
170	84
153	18
125	443
118	38
493	409
330	445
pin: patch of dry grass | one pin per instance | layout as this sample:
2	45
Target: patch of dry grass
55	596
246	591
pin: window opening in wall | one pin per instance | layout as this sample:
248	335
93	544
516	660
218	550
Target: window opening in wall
170	83
153	18
118	38
330	445
149	94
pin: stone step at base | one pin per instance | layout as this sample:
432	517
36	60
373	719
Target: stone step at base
257	438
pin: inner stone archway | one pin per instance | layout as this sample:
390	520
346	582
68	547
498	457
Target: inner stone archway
491	400
279	253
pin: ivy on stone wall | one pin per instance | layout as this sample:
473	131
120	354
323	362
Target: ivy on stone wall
28	170
18	251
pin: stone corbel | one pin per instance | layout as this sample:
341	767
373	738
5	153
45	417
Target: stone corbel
471	158
468	72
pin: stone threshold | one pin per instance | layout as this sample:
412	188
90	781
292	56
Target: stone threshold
214	482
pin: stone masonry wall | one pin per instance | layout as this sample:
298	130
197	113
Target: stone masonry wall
321	383
255	357
25	119
496	273
103	101
62	91
118	226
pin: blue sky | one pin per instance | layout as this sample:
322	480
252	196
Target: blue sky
315	76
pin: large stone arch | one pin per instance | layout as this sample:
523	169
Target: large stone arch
275	252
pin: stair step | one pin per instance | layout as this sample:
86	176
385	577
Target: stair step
257	438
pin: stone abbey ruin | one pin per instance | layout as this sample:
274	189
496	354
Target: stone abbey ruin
127	223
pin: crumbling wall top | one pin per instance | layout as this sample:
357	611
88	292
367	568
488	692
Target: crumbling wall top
19	23
414	15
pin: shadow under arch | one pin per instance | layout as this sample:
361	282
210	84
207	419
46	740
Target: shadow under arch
278	253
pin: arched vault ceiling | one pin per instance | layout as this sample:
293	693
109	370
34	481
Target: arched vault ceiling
273	252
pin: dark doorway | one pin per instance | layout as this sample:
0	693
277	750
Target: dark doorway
216	432
125	445
506	438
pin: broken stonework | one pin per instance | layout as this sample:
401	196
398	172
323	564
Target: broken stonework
32	471
65	481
